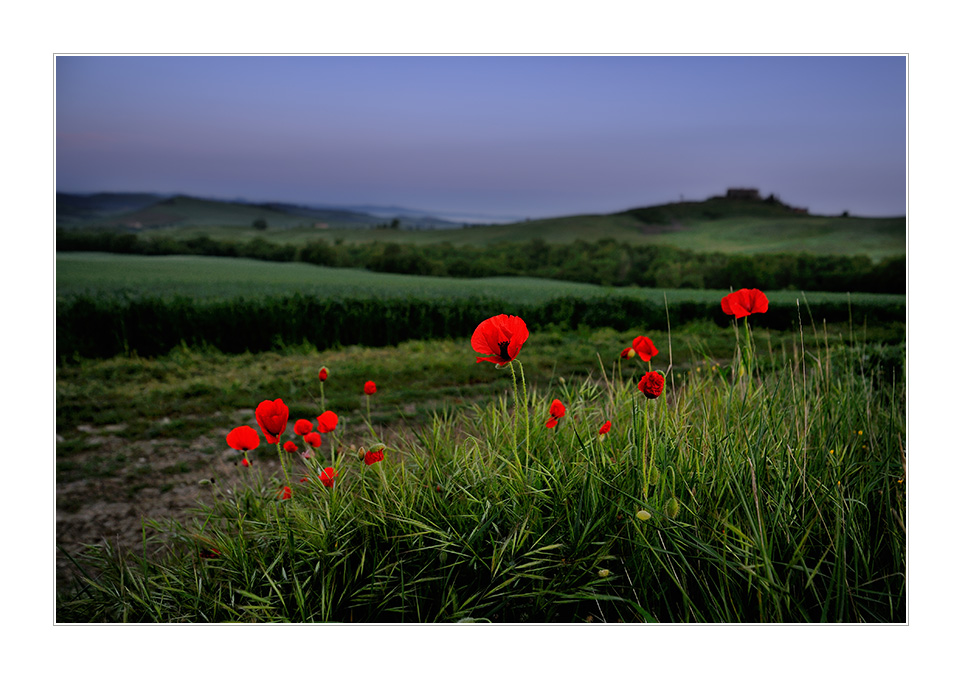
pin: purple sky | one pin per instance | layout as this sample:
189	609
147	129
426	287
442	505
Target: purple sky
522	136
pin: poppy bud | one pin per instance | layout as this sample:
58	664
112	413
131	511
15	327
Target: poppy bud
604	573
322	374
673	508
643	515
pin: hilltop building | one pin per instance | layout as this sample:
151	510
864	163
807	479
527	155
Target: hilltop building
743	194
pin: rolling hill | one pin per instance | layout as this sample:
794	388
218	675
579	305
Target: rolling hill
720	224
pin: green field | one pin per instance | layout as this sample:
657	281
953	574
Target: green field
714	225
876	238
211	277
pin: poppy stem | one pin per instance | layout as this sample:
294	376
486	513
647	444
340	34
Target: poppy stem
527	417
280	456
645	467
514	380
749	350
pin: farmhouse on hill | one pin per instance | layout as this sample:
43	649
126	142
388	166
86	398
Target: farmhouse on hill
743	194
753	194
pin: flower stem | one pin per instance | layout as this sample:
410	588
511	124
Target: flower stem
527	417
514	381
280	456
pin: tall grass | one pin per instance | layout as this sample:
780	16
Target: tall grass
776	495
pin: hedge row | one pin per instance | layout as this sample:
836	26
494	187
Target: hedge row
97	327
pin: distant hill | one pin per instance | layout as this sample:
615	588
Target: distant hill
137	211
719	224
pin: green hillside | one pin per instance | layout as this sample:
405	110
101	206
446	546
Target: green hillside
716	225
713	226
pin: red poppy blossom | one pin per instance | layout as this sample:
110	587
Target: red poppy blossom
211	553
272	419
501	337
644	347
313	439
628	353
322	374
290	446
301	427
556	410
327	422
605	428
327	476
246	462
284	493
370	388
652	384
372	456
744	303
243	438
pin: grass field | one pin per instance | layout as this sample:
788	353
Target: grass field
211	277
763	491
766	484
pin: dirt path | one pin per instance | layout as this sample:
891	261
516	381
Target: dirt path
107	485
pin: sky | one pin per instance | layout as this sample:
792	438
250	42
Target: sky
477	137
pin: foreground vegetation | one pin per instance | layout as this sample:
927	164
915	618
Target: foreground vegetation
769	490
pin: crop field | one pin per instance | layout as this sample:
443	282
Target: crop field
211	277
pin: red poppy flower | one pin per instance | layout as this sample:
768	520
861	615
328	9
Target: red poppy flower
271	417
372	456
744	303
327	477
327	422
284	493
556	409
243	438
627	353
211	553
313	439
322	374
500	336
652	384
605	428
645	348
301	427
290	446
246	462
370	388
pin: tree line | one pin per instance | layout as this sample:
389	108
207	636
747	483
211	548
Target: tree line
604	262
